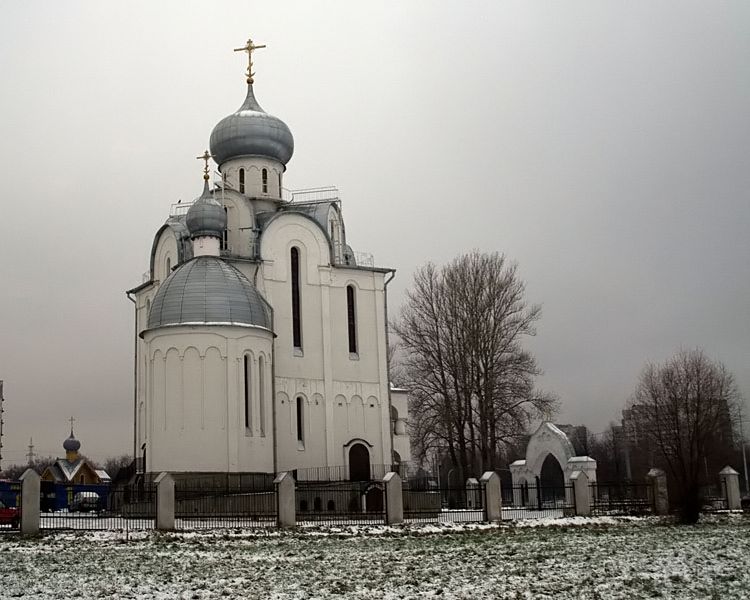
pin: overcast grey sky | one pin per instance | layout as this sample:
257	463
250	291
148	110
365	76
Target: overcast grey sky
603	145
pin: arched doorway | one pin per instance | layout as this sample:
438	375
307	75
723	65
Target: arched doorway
374	499
551	480
359	463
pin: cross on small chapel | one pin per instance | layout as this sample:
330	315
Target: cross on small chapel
205	157
249	47
71	423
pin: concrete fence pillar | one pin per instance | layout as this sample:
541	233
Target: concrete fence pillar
730	480
286	501
164	502
394	500
658	480
582	494
493	498
30	492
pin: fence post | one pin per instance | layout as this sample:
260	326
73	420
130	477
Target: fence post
394	499
731	483
581	493
164	502
658	479
493	499
286	501
30	491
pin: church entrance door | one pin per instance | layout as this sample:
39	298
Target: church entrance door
359	463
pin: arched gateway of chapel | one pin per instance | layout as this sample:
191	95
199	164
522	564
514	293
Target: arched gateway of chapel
550	461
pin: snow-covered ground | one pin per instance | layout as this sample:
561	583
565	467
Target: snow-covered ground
548	558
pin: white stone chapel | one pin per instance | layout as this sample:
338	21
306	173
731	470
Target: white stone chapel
260	334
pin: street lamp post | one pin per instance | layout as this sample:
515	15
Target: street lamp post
744	455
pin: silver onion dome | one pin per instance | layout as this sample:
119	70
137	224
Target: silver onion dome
208	291
206	216
71	444
250	131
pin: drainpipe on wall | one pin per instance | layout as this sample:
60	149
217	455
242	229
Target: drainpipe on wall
388	362
135	382
273	400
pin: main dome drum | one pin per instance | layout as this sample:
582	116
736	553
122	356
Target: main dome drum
250	131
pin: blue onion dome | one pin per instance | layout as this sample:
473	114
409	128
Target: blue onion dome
206	216
71	444
251	131
208	291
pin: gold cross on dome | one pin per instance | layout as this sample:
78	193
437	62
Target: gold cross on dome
249	47
206	157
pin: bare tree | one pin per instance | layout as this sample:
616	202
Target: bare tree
39	465
471	382
114	463
684	408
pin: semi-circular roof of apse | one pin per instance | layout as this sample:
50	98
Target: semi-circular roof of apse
208	291
251	131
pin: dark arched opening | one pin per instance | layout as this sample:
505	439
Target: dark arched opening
374	499
551	480
359	463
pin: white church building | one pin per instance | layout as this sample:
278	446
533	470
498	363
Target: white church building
261	341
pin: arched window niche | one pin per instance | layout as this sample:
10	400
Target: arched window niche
296	307
351	321
247	379
241	176
264	180
262	395
300	405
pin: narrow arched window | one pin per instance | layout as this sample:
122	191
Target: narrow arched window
300	419
225	233
169	266
279	185
351	318
264	176
248	395
242	181
296	317
261	394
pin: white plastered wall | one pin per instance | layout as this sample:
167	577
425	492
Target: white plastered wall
166	253
401	440
240	222
195	401
345	396
253	166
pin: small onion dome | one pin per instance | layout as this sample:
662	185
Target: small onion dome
208	291
250	131
71	444
206	217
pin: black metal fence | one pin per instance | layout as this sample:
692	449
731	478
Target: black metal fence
621	498
340	502
537	502
344	473
197	508
124	508
714	497
442	505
